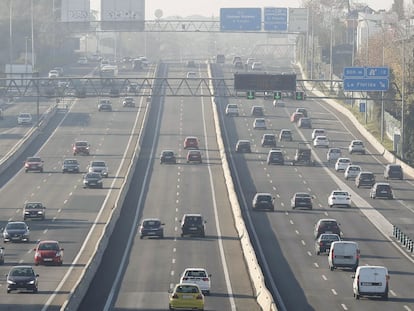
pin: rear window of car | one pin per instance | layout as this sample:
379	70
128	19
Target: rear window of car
151	223
395	168
193	220
196	274
264	198
81	143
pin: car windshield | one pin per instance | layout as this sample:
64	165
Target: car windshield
93	175
354	168
24	115
71	162
168	153
81	144
22	272
262	198
302	195
151	224
48	246
383	187
34	160
33	205
16	226
99	164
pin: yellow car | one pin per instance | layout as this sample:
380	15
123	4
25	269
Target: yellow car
186	296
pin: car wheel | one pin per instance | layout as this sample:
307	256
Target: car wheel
357	297
8	291
170	308
317	253
41	170
207	292
182	235
332	268
385	296
141	237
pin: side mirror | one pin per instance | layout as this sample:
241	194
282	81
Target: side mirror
170	291
62	249
37	275
353	276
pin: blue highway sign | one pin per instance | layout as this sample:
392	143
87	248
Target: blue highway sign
354	72
240	19
377	72
366	85
275	19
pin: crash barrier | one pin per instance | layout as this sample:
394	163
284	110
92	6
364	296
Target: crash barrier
264	297
80	289
403	238
20	147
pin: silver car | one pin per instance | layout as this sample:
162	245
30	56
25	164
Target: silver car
98	166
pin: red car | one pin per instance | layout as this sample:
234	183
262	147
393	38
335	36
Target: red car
191	142
33	164
48	252
296	116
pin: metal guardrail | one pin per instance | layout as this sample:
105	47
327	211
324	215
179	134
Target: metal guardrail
403	238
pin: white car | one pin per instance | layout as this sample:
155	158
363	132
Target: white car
191	75
352	171
98	167
232	110
356	146
24	118
53	74
342	163
83	60
339	197
321	141
197	276
318	132
259	123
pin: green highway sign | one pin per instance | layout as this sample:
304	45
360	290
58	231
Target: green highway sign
251	95
277	95
299	95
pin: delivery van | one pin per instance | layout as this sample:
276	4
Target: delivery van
344	254
371	281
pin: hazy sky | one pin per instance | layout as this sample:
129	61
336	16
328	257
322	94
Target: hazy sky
212	7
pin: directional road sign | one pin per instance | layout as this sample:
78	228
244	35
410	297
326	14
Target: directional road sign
371	72
366	85
275	19
240	19
354	72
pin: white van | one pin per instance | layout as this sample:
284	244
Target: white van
343	254
371	281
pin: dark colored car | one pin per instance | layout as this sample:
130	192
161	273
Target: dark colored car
168	156
323	243
302	111
104	105
34	210
22	278
151	227
81	147
191	142
33	164
48	253
303	156
193	224
275	156
381	190
269	140
128	102
194	156
393	171
326	226
244	146
285	135
92	180
70	166
263	201
305	123
365	179
16	231
301	200
257	111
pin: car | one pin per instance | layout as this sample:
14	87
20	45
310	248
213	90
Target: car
339	198
33	164
381	190
393	171
302	111
303	155
128	102
98	166
243	146
323	243
191	75
257	111
232	110
151	227
278	103
321	141
186	297
191	64
168	156
342	163
238	65
257	66
48	252
22	278
365	179
24	118
70	166
92	180
275	156
132	87
326	225
53	74
34	210
371	281
296	116
2	255
194	156
237	59
263	201
83	60
81	147
352	171
285	135
191	142
269	140
259	124
104	105
250	61
301	199
318	132
333	154
356	146
305	123
193	224
16	231
59	70
197	276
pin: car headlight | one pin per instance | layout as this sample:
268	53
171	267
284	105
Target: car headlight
31	282
10	282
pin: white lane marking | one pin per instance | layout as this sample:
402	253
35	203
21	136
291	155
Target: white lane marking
334	291
65	201
316	265
54	218
324	277
309	253
291	221
45	231
297	232
303	242
393	293
172	273
344	306
407	308
173	261
59	210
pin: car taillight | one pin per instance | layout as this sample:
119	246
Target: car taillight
205	279
332	255
321	243
199	296
185	279
37	254
175	296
